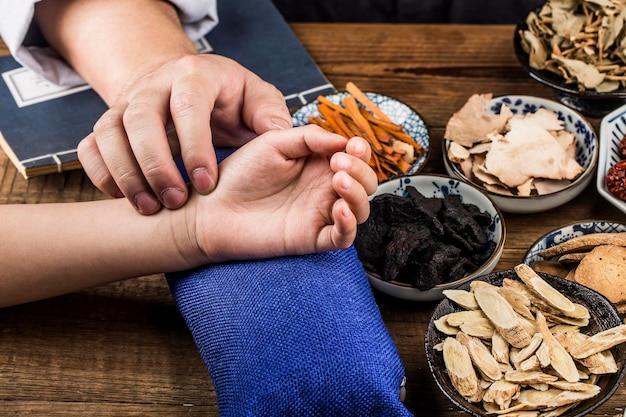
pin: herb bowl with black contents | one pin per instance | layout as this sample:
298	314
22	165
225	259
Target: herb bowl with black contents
528	154
428	233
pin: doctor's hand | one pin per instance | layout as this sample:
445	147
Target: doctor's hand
183	108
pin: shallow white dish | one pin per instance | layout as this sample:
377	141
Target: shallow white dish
586	155
612	130
397	111
438	186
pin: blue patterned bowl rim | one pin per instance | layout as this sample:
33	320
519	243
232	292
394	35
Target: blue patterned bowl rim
567	232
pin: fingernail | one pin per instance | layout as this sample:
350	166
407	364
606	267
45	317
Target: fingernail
172	197
146	203
280	123
347	183
359	147
202	180
343	162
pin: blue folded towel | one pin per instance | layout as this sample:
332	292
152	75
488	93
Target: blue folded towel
292	336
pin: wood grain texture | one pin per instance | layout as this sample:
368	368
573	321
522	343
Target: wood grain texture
123	349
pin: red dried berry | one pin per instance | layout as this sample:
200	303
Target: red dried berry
616	180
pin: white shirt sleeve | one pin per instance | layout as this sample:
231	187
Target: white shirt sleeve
16	20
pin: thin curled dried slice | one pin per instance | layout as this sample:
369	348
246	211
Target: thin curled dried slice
463	298
573	386
442	325
562	319
518	300
529	377
530	364
478	327
501	392
543	355
584	243
559	411
480	355
548	293
517	410
500	348
456	319
600	342
560	359
502	315
536	399
460	369
598	363
526	352
571	397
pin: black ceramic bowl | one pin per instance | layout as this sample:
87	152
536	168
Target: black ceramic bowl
603	316
589	102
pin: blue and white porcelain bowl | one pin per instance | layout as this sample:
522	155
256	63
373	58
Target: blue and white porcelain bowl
439	186
586	155
567	232
397	111
612	130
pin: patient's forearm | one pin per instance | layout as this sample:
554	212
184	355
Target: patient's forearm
52	249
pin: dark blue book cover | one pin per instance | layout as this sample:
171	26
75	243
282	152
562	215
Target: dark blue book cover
40	130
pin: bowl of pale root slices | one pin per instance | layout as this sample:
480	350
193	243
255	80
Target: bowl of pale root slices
528	154
526	343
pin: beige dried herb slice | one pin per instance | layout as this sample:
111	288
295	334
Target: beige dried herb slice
456	319
501	392
560	359
584	243
480	327
460	368
547	292
526	352
502	315
598	363
519	302
442	325
529	377
600	342
462	298
570	397
481	356
500	348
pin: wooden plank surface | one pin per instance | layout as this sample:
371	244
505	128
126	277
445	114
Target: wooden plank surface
123	349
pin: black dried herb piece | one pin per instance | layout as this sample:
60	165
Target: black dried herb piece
423	241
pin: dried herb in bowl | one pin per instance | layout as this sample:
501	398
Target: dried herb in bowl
422	241
581	40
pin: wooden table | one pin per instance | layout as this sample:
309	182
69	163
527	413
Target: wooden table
123	349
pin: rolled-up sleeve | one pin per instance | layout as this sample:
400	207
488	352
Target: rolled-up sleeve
16	25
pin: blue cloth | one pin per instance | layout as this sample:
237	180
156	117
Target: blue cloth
293	336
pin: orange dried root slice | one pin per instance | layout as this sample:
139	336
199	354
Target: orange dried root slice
393	150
